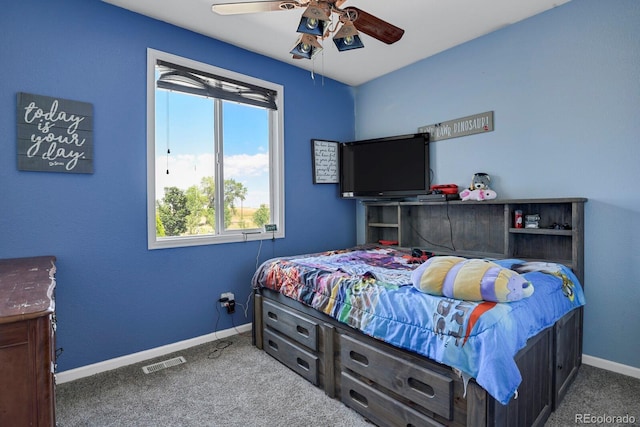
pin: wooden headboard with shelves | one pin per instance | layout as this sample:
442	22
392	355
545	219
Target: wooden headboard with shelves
484	229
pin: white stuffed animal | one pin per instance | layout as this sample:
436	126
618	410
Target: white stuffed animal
479	189
479	195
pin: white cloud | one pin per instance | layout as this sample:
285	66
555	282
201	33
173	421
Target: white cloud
240	166
184	171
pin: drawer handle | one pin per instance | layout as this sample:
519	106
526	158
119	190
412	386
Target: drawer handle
421	387
359	398
302	331
273	345
303	364
272	315
359	358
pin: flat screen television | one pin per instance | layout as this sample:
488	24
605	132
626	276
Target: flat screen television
391	167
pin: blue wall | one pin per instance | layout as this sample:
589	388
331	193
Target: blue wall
565	89
115	297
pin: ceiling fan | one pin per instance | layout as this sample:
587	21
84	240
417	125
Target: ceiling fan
316	23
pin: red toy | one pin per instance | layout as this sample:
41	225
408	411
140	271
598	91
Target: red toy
444	189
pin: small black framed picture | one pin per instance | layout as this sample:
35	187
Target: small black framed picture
324	157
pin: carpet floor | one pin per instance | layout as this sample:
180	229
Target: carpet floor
231	383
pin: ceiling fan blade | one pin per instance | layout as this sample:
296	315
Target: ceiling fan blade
375	27
254	7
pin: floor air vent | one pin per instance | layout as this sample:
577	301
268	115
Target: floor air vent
163	365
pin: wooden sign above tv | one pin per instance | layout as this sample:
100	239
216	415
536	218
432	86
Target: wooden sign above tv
470	125
54	135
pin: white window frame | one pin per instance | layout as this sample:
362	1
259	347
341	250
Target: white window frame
276	160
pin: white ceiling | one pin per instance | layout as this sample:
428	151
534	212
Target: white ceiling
431	26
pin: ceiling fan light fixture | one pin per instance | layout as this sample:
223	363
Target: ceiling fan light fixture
306	47
347	38
315	20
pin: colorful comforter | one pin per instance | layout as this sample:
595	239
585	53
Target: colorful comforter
370	289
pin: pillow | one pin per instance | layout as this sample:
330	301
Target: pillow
470	279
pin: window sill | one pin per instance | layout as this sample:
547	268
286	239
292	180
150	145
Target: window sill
179	242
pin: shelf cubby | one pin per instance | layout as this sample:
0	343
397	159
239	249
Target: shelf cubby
484	229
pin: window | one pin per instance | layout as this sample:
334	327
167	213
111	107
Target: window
214	154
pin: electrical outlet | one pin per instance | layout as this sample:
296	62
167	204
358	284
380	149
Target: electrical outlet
270	227
225	297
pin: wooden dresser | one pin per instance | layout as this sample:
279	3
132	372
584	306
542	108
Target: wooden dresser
27	341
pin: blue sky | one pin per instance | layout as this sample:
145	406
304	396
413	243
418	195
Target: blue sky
190	140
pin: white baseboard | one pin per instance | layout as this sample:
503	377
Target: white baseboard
130	359
619	368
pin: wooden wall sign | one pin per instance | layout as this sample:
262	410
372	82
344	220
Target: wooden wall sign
469	125
324	155
54	135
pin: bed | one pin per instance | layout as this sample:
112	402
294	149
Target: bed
361	324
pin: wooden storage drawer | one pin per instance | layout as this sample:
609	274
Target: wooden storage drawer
420	385
568	357
14	334
378	407
291	355
294	326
